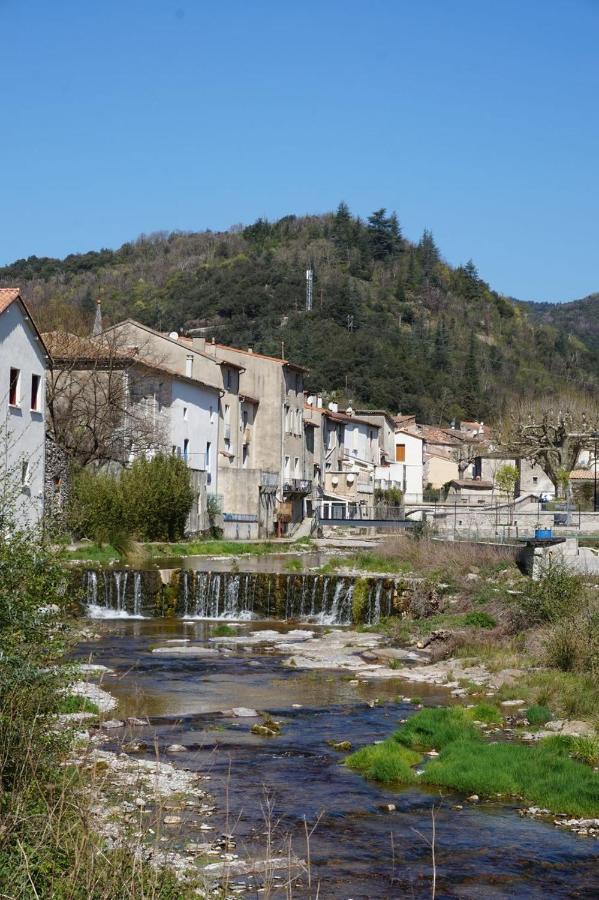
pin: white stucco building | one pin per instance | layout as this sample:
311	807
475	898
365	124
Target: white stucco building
405	471
23	362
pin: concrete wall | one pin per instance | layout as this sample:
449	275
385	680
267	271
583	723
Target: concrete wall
439	470
191	419
22	430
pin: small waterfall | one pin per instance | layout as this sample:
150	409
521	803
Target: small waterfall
324	599
137	593
92	588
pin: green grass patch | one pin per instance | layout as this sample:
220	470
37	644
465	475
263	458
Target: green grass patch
479	620
100	553
223	630
74	703
293	565
538	715
485	712
586	749
568	694
212	548
387	762
543	774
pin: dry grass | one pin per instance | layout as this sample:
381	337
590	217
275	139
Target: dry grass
446	558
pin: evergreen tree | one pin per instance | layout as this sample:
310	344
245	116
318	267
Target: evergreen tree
471	400
428	253
384	234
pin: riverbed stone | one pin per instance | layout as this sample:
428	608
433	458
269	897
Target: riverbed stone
241	712
113	723
176	748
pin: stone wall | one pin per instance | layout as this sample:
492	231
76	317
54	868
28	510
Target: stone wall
58	484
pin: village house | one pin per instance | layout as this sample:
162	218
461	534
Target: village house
126	399
266	480
23	364
350	455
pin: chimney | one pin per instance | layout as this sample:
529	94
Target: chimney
250	349
189	365
97	326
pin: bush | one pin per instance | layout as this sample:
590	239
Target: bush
572	644
558	593
479	620
150	501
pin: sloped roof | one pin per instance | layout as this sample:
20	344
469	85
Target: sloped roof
7	295
583	475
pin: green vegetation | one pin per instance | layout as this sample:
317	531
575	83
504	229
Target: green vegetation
222	630
586	749
538	715
207	547
388	762
73	703
479	620
293	565
406	302
149	501
543	774
359	598
47	848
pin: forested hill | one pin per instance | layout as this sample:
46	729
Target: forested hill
579	318
392	324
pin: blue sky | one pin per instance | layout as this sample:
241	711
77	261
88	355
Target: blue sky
478	120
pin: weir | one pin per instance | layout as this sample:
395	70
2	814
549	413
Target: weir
325	599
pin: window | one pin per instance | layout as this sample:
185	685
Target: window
208	455
287	461
310	440
174	449
24	473
212	415
296	467
400	453
185	413
189	365
244	419
229	379
534	479
14	393
286	419
246	453
36	381
186	449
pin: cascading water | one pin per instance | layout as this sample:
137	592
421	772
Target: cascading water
324	599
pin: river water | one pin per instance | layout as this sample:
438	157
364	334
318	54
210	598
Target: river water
357	850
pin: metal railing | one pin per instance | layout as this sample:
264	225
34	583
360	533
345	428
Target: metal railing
297	486
269	479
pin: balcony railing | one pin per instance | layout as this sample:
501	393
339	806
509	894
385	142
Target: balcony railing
297	486
269	479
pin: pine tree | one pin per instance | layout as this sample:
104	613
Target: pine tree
428	253
384	234
471	400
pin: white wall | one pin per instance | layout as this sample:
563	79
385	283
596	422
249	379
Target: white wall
409	474
22	430
195	425
361	443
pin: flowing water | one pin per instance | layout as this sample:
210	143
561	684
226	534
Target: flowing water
327	599
357	850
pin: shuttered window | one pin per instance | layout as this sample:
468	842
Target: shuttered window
400	453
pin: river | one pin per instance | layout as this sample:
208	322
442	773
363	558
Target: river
357	850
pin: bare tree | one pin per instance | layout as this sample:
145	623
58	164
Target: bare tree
105	401
551	432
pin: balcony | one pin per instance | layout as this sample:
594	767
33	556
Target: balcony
269	479
299	486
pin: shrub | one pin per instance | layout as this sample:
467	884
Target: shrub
572	645
150	501
387	762
558	593
479	620
97	510
359	598
486	712
159	497
538	715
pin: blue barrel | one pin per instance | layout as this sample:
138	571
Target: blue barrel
543	533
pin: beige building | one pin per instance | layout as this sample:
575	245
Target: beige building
265	477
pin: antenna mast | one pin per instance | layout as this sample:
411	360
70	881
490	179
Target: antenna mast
309	286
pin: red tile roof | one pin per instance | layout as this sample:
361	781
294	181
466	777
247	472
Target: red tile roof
7	295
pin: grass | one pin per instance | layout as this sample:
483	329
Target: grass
538	715
388	762
74	703
222	630
543	774
570	695
104	553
